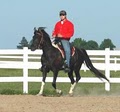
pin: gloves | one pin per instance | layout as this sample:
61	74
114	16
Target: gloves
57	40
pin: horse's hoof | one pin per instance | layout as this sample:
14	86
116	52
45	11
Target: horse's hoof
59	94
39	94
58	91
71	94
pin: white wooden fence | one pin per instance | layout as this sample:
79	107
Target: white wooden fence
109	60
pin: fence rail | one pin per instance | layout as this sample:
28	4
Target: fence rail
109	60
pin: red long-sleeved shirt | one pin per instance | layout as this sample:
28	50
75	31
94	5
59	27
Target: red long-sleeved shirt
66	29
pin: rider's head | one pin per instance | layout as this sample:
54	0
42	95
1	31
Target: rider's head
63	15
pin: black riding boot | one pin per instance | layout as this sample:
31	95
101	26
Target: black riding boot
66	67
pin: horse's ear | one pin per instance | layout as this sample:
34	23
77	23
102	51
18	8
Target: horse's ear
41	28
35	29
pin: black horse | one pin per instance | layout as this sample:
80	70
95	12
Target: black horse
53	60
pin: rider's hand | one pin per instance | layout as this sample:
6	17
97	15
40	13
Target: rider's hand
59	35
53	36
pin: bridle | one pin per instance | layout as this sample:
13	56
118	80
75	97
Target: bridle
40	35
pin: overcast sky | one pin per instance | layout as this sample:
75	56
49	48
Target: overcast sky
93	19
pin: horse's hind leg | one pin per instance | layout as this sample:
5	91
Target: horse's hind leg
78	77
55	74
77	74
73	83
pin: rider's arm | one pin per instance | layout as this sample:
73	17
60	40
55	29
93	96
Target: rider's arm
55	31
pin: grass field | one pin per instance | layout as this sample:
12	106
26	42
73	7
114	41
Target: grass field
81	88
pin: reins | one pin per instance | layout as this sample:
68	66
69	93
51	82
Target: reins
41	40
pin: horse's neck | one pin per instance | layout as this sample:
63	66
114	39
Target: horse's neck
47	47
47	44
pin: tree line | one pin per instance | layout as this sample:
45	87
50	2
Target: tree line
93	45
79	43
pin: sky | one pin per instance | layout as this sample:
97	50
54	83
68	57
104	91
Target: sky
93	19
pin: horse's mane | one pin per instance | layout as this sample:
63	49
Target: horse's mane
46	36
45	33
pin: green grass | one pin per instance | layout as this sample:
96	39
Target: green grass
81	88
11	72
11	88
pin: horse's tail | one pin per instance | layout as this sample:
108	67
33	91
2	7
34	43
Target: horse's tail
91	67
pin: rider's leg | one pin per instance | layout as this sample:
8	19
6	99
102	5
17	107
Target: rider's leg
66	46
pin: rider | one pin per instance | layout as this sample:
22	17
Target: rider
64	29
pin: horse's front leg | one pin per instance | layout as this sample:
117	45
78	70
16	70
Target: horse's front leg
55	74
44	73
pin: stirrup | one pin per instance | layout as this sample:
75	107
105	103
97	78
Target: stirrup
64	64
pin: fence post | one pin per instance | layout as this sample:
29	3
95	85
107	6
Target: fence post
25	70
107	68
115	61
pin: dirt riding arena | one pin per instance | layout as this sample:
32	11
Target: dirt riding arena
29	103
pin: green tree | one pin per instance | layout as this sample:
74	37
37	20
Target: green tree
107	43
23	43
92	45
30	43
79	43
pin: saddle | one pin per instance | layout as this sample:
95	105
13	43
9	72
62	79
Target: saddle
59	46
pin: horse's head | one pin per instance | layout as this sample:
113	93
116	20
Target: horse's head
37	41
